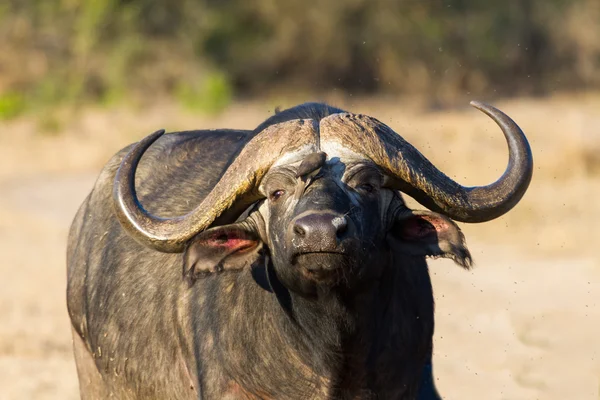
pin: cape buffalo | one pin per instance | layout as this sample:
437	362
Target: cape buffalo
274	263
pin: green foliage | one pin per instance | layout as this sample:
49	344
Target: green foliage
78	51
12	104
211	97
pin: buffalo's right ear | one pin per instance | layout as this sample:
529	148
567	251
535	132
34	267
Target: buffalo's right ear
223	248
425	233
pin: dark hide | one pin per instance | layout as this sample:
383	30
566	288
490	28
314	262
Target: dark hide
316	111
216	322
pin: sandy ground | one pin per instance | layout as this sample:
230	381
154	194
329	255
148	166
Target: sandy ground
524	324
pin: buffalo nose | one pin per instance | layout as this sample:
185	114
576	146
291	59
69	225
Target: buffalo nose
320	230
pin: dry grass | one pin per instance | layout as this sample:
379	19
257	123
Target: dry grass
522	325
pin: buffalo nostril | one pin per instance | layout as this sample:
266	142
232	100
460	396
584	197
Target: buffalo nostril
341	224
299	230
321	230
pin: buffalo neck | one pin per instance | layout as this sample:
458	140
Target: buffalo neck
314	345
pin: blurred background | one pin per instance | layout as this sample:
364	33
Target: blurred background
81	79
205	54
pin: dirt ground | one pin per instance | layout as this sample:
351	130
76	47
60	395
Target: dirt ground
523	324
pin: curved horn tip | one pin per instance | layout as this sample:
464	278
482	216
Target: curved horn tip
147	141
480	106
157	134
486	108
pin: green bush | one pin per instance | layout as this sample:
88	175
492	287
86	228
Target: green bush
103	51
12	104
211	96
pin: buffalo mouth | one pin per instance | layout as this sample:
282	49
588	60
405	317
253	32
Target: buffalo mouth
323	266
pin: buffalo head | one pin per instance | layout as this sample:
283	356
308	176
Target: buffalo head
325	208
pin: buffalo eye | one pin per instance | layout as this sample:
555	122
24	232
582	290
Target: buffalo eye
275	195
366	187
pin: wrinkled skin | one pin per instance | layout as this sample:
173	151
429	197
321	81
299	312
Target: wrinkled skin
319	291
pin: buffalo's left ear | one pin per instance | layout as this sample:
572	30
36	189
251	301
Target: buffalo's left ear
424	233
223	248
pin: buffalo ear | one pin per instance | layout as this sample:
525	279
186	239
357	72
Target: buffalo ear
223	248
425	233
